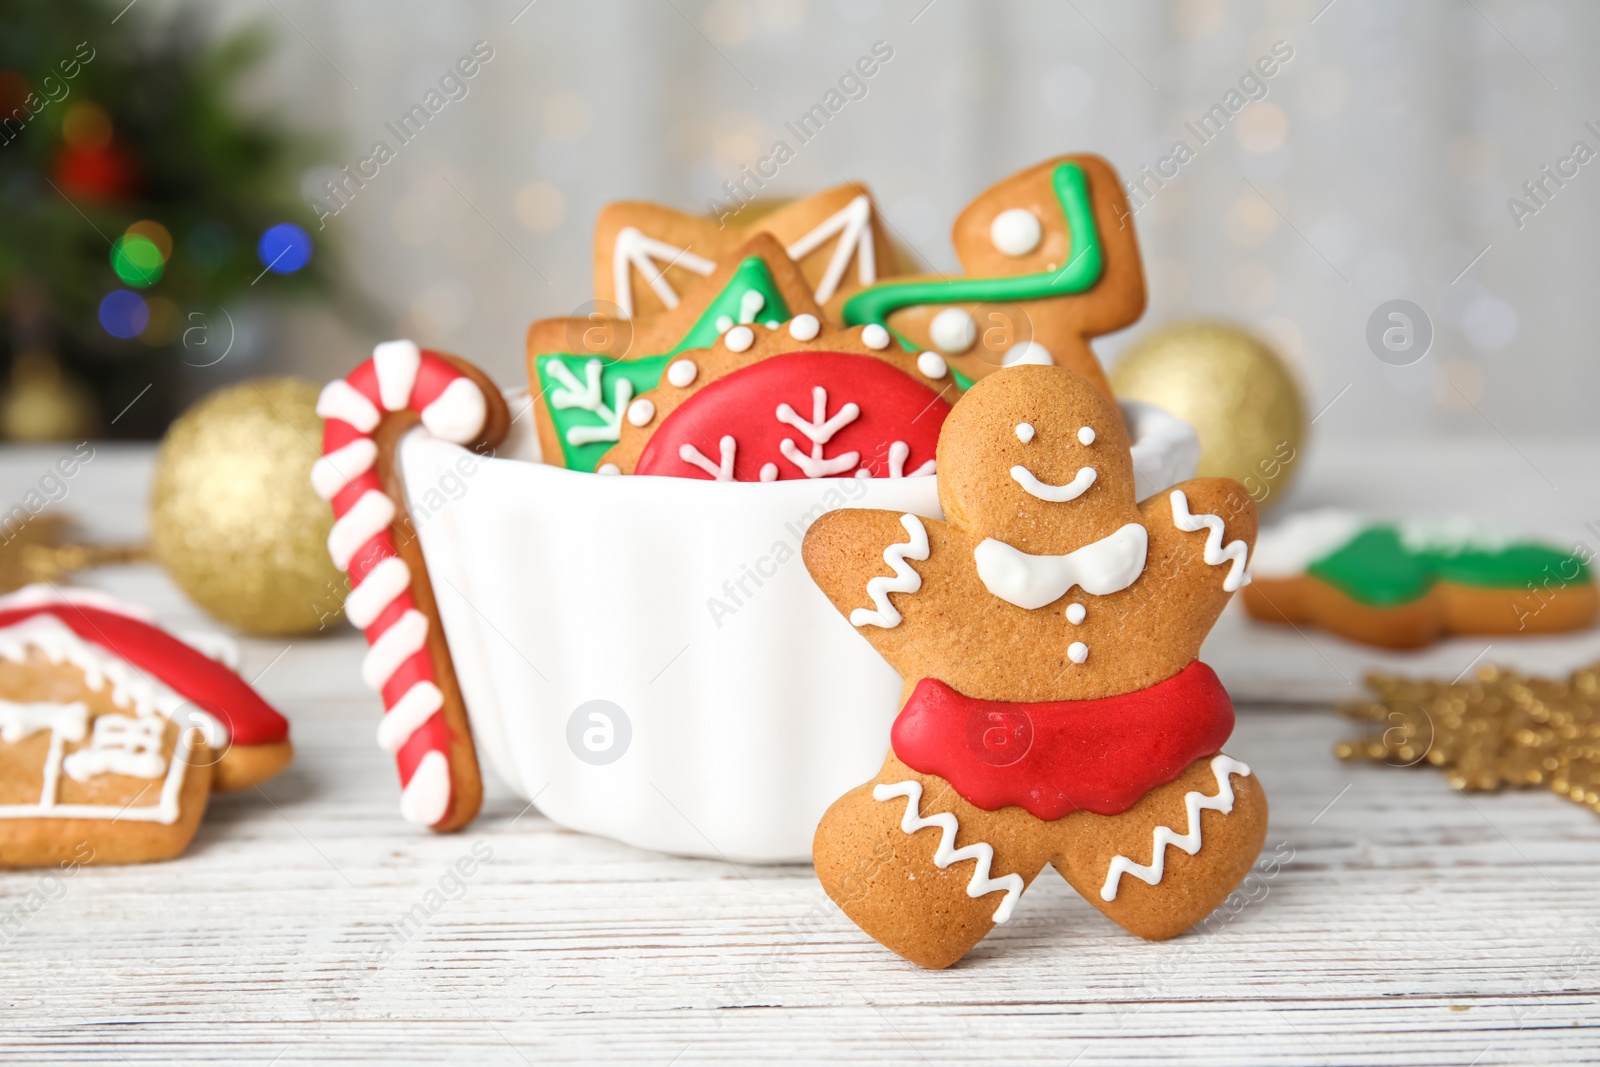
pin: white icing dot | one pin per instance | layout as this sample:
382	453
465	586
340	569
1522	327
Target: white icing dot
1086	435
953	331
739	338
722	322
1024	432
771	324
1027	352
875	336
641	411
608	468
1075	614
804	327
769	472
1015	232
1077	652
682	372
932	364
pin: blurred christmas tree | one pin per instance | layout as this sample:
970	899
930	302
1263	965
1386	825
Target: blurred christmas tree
137	200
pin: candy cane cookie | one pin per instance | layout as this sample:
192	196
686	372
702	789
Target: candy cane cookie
391	599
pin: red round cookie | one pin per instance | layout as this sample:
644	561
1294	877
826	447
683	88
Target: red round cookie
801	415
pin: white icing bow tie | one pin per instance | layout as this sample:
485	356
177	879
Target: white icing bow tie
1100	567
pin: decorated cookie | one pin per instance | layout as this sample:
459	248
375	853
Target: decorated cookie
586	373
114	733
1404	585
756	387
1051	261
647	256
795	400
1054	712
391	600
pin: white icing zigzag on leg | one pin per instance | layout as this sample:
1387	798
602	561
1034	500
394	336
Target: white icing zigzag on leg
1196	802
905	580
981	884
1215	554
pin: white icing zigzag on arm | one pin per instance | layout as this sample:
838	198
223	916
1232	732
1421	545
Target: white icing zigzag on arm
1196	802
981	851
1215	553
905	580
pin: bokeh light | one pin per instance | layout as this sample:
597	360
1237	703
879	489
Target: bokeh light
137	260
87	126
284	249
123	313
156	234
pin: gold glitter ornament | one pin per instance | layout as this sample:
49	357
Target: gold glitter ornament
1236	392
1499	729
233	518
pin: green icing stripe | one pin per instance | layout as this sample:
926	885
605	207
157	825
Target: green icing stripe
733	304
641	374
1082	270
752	276
1511	567
1376	567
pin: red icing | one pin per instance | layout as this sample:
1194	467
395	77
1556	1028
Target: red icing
192	674
434	375
1055	757
894	407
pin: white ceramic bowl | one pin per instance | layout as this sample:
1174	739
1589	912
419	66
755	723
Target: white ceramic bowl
737	703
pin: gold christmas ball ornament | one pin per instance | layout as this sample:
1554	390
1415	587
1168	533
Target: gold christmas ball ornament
1237	393
233	518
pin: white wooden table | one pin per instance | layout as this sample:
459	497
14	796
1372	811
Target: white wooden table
1407	923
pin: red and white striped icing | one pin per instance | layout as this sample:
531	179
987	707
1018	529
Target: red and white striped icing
398	377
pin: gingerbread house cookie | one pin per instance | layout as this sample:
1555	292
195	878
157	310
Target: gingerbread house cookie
114	733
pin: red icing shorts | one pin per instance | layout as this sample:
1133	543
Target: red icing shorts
1055	757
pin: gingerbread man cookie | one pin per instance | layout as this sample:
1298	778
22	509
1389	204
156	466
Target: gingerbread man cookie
114	733
1054	711
1407	584
647	256
1051	261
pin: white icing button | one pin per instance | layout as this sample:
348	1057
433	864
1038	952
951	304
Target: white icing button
1075	614
739	338
771	324
722	322
932	364
641	411
1077	652
1086	435
682	372
608	468
1024	432
1027	352
769	472
1015	232
953	331
875	336
804	327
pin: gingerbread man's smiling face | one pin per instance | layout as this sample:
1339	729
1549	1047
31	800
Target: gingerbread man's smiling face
1051	470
